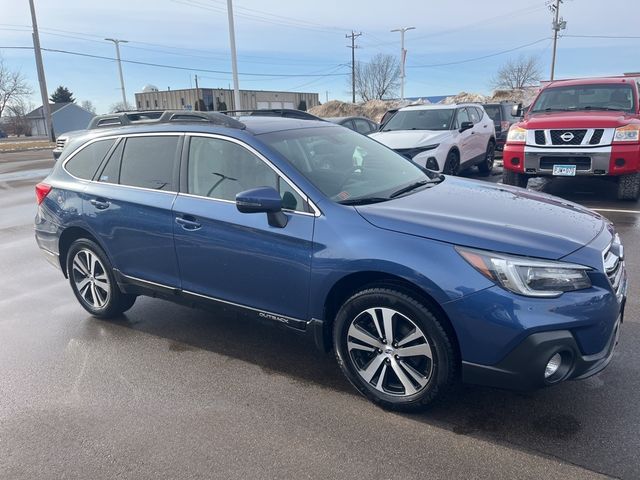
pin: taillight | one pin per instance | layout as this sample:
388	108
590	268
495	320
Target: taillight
504	125
42	190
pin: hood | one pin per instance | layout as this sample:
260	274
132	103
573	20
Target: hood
490	217
590	119
410	138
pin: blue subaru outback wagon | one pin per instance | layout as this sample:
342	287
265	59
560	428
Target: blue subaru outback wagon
414	279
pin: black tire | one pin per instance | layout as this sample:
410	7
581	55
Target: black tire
486	166
516	179
452	163
629	187
92	281
425	377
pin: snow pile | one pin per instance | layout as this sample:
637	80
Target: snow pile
373	109
465	97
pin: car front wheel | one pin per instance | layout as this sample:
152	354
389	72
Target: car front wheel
393	349
92	281
486	166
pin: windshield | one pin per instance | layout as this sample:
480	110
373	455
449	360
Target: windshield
494	112
346	166
586	97
432	119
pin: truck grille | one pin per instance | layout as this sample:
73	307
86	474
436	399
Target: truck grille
581	163
597	136
540	140
614	266
571	137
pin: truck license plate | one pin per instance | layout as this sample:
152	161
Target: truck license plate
564	170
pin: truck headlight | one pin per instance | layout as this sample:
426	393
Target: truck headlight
528	276
628	133
517	134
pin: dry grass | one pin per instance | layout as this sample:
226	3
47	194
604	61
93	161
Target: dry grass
16	146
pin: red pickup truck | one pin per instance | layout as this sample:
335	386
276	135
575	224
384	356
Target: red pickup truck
579	127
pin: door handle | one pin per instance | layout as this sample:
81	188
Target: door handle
188	222
100	203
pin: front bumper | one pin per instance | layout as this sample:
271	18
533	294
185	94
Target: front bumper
523	368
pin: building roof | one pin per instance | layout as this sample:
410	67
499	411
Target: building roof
37	113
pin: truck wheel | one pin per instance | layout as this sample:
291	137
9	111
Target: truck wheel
516	179
629	187
393	349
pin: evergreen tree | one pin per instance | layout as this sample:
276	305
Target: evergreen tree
62	95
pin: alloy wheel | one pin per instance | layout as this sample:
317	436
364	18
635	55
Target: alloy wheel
390	352
90	279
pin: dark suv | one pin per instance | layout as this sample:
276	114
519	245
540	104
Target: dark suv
414	278
501	114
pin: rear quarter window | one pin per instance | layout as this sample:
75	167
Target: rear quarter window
85	162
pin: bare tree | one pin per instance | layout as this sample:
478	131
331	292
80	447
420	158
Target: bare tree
13	87
118	107
518	74
378	78
17	123
88	105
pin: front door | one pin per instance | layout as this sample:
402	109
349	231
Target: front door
238	257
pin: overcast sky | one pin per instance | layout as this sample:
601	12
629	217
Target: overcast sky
302	37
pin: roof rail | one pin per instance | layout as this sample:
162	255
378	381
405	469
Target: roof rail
138	117
274	112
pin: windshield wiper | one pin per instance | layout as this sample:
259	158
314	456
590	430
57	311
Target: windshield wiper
413	186
363	200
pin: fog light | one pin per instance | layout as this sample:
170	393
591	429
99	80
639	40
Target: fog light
432	163
515	161
553	365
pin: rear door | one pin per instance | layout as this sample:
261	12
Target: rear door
482	131
129	206
238	257
465	139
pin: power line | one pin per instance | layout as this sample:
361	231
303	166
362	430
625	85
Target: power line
176	67
475	59
615	37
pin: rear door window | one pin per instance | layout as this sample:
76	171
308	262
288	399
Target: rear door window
111	171
85	163
150	162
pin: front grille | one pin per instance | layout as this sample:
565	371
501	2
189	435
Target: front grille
614	266
540	139
573	137
581	163
60	142
597	136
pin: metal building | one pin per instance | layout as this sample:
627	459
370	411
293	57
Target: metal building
220	99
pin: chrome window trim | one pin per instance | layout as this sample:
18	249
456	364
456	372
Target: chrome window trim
222	200
109	137
316	211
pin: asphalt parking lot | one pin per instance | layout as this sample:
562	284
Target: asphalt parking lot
171	392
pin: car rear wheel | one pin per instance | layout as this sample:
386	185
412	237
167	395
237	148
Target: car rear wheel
629	187
92	281
393	349
516	179
487	164
452	164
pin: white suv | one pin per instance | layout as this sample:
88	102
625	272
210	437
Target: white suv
445	138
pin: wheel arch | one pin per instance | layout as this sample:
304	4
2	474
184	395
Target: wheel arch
348	285
70	235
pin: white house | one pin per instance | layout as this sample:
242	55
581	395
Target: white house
64	116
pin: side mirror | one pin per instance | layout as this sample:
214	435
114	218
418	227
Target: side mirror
516	110
263	200
465	126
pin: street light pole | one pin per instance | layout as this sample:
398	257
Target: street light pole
117	44
234	61
46	110
403	57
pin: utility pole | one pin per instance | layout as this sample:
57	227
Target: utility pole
46	110
353	47
234	61
557	25
196	106
403	57
117	43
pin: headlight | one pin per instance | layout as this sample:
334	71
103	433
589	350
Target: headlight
528	276
414	152
628	133
517	134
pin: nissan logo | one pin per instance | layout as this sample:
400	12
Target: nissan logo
567	136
